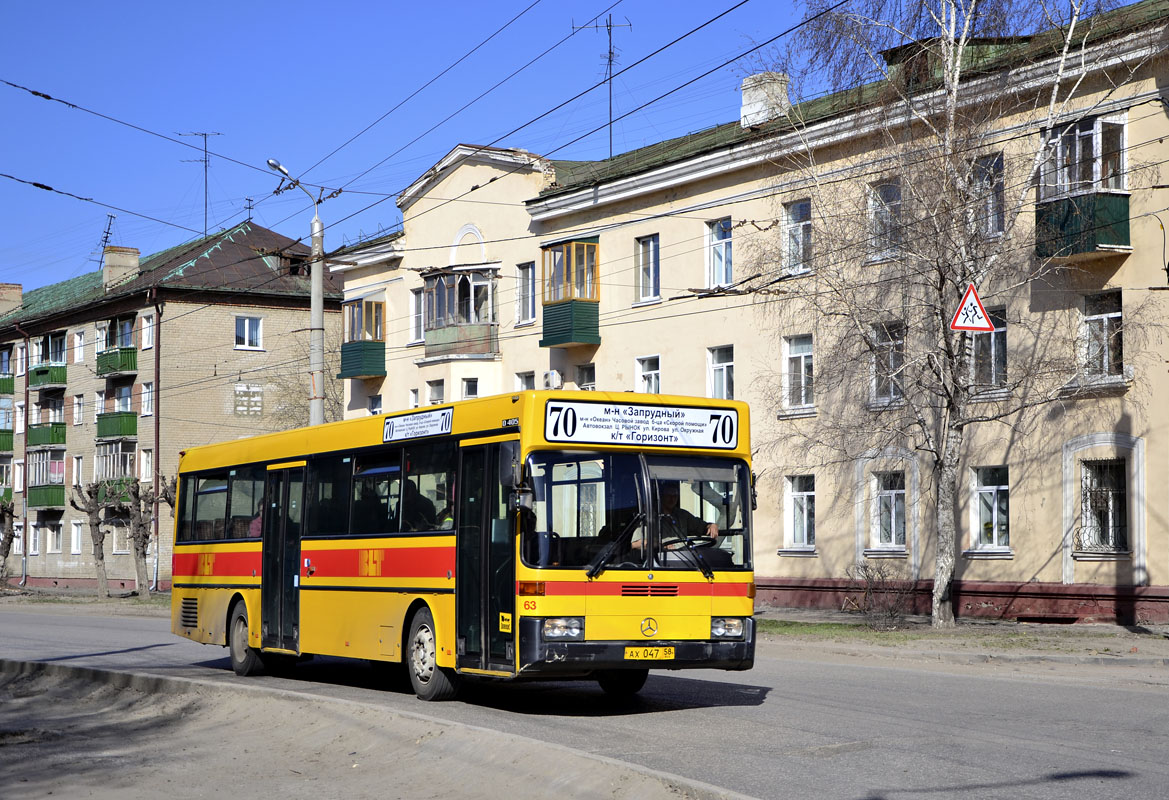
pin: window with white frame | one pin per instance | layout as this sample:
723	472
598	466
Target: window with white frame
1104	507
888	361
147	399
889	510
46	468
5	360
470	388
525	293
649	278
78	474
75	537
464	297
417	317
797	220
525	381
53	537
799	376
34	541
147	331
6	413
120	333
249	333
19	416
721	362
992	498
719	266
990	352
1084	156
249	400
802	502
436	392
884	218
146	465
21	359
374	404
102	339
1103	334
119	535
113	460
414	403
79	347
54	408
986	202
6	472
78	409
49	349
649	375
18	538
586	377
123	397
18	475
99	403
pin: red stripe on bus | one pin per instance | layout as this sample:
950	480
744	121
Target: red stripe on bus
212	564
396	562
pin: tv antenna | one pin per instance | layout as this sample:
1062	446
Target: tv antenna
206	162
105	240
609	58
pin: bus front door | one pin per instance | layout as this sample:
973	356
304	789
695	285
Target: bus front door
485	560
280	584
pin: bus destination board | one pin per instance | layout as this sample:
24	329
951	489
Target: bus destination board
650	426
412	426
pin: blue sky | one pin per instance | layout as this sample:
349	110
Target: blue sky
295	81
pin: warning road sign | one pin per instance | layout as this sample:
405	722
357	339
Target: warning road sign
971	315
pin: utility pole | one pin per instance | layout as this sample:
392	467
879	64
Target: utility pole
609	59
206	162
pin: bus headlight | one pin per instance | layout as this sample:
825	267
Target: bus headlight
561	628
726	628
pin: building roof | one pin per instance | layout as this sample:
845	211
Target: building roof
245	260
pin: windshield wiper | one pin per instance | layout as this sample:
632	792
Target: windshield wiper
691	551
608	551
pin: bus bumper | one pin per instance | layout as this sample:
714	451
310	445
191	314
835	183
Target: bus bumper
576	658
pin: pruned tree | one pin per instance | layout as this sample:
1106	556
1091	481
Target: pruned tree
92	499
954	111
137	502
7	533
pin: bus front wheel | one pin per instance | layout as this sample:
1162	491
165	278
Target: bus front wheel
430	681
245	660
622	682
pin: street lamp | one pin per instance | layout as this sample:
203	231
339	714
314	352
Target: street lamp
316	343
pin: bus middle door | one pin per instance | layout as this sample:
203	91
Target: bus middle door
280	586
485	564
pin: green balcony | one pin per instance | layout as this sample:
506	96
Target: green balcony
571	323
5	494
47	376
46	434
1083	225
114	490
465	339
117	361
45	496
7	383
363	360
6	440
117	425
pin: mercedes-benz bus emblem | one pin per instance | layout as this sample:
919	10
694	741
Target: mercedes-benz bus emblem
649	626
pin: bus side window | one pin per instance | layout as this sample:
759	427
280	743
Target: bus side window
186	528
427	501
210	507
328	505
375	494
246	499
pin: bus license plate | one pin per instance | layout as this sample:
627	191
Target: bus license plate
649	653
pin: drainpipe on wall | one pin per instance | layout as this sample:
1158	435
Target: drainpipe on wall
157	465
24	468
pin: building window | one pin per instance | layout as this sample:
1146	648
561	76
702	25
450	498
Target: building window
99	403
78	409
570	271
20	417
1104	344
649	375
123	398
459	298
78	463
102	338
802	492
34	541
888	361
1084	156
435	392
119	536
884	219
648	269
46	468
248	333
470	388
364	321
146	465
890	509
374	404
79	347
49	349
722	372
525	381
719	267
75	537
53	537
986	183
799	380
993	501
990	352
18	475
1104	514
147	331
147	399
54	409
6	413
798	236
249	400
118	333
5	360
414	403
417	317
586	377
21	359
113	460
6	472
525	293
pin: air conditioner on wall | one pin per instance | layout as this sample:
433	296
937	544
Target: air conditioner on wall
553	379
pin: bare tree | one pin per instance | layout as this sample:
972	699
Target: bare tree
287	397
138	504
936	194
7	534
92	499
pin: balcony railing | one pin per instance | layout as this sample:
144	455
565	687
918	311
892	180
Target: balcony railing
471	338
571	323
363	360
1081	225
117	425
7	383
6	440
52	496
47	376
117	361
46	434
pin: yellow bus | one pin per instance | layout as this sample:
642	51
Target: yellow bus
539	534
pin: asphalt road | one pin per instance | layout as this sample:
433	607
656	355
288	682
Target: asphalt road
804	723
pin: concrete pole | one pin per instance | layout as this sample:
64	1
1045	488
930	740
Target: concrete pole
316	344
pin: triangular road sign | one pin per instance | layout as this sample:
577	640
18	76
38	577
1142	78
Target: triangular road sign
971	315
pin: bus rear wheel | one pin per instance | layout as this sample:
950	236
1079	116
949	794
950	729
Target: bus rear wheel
430	681
245	660
622	682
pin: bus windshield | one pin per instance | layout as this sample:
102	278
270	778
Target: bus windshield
637	512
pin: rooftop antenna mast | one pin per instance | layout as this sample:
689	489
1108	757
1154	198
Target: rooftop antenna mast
206	162
105	240
609	58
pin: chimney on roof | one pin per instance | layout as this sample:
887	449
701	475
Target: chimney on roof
10	297
119	263
765	98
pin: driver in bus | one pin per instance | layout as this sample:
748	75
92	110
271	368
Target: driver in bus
677	521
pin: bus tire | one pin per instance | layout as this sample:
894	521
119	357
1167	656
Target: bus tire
245	660
622	682
430	681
